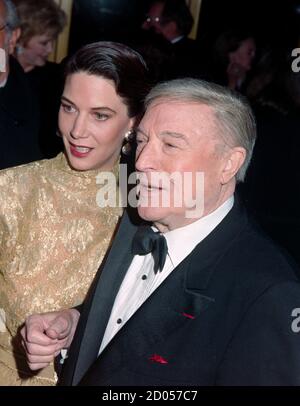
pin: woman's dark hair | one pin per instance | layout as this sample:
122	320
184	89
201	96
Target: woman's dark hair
116	62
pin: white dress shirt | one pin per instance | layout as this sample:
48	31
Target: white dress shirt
140	280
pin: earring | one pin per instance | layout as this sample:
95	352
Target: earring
58	133
128	138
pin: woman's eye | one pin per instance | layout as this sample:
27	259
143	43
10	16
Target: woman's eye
68	108
101	116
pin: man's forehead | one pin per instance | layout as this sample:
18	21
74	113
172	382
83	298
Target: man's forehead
192	119
179	110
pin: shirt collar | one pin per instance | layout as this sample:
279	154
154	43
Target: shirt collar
194	233
177	39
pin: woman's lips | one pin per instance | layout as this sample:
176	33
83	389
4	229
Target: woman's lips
79	151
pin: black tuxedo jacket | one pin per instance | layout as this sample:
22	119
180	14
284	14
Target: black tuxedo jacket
223	317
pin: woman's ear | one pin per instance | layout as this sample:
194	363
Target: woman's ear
234	159
132	123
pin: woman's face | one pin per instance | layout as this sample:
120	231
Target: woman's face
36	51
244	55
93	121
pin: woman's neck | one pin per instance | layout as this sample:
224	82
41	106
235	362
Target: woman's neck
25	65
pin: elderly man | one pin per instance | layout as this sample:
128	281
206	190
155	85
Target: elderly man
200	299
19	114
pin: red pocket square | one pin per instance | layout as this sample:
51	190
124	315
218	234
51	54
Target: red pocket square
158	358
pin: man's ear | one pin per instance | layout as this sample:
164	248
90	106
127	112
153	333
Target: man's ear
234	159
13	40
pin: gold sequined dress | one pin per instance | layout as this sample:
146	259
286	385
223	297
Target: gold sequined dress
53	236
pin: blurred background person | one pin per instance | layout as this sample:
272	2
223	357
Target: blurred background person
271	185
232	58
41	23
9	34
19	110
173	21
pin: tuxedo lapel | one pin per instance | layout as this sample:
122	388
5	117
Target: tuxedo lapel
96	313
170	307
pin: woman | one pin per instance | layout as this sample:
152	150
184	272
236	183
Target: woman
233	56
53	236
41	23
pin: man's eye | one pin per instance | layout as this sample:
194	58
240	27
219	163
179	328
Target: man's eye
170	145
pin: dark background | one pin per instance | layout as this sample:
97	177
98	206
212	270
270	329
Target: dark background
276	23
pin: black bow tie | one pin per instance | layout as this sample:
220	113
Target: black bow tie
146	240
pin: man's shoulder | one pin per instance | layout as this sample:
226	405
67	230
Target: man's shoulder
258	262
241	254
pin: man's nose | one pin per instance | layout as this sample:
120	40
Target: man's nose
147	158
79	129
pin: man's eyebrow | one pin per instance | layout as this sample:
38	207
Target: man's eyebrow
165	133
93	108
175	135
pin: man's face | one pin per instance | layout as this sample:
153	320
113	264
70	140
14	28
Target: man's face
3	43
153	19
178	137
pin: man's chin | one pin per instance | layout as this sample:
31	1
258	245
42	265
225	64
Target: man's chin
152	214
